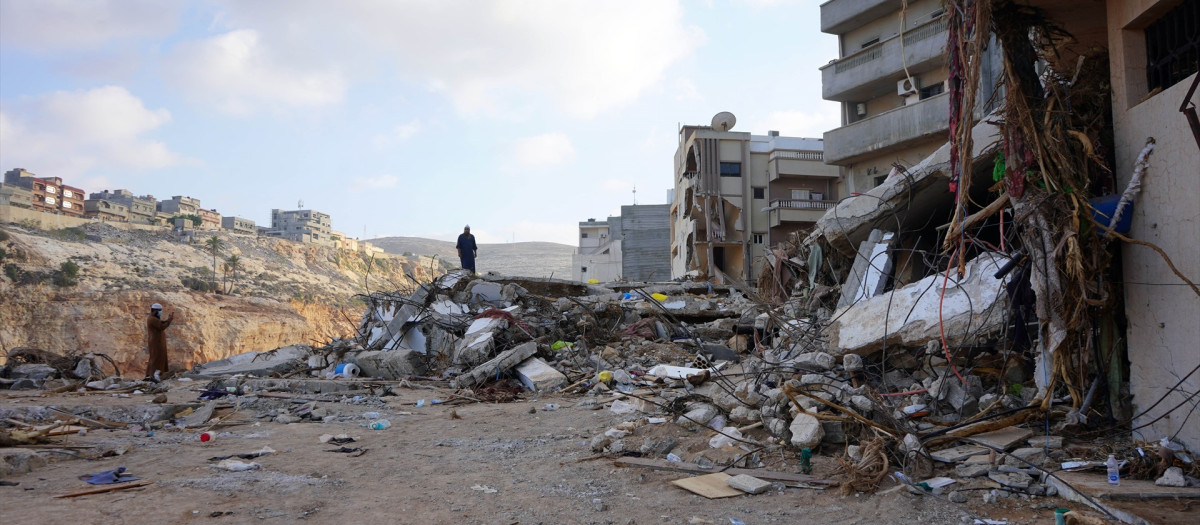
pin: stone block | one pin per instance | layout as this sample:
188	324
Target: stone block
539	376
814	361
834	432
34	371
744	415
390	364
748	484
1173	477
1016	480
698	415
806	430
19	461
1004	438
262	364
499	364
956	454
852	362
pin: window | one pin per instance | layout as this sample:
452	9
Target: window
583	235
879	180
731	169
759	192
1173	46
583	269
756	238
931	91
869	43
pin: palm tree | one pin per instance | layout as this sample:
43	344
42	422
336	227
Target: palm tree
214	245
232	265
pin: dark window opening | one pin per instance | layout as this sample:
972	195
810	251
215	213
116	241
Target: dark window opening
933	90
731	169
760	193
583	235
869	43
879	180
583	269
1173	46
718	254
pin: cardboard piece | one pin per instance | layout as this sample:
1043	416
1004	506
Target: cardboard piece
711	486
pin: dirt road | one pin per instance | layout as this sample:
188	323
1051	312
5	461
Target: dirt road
500	463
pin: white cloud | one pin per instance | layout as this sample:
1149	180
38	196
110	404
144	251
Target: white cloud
374	183
542	150
685	91
49	25
585	57
68	133
398	134
238	74
799	123
616	185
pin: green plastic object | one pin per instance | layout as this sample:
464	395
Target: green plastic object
1060	516
998	168
559	345
806	461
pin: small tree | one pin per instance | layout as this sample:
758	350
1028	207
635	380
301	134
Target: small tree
231	266
214	245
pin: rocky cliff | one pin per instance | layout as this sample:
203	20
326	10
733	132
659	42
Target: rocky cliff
280	293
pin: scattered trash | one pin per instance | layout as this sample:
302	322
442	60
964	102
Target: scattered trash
484	489
381	424
205	437
108	477
234	465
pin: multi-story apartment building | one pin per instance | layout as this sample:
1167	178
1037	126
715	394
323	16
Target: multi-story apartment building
141	209
105	210
13	195
736	194
307	226
49	194
239	225
180	205
634	245
890	81
598	257
209	219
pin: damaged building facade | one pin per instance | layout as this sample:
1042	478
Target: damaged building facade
1110	317
737	193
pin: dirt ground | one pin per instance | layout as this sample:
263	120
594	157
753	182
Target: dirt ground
500	463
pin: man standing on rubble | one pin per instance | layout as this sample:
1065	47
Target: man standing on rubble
467	249
156	342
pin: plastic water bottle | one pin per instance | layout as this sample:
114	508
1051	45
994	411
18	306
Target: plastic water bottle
1114	471
381	424
674	459
371	415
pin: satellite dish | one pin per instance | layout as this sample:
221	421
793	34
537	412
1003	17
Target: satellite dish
723	121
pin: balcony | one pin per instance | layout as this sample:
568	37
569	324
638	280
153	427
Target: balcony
796	210
799	164
890	130
840	16
872	72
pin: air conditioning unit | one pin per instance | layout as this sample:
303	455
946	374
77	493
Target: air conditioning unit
861	109
907	86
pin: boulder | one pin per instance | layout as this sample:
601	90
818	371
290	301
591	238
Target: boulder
391	364
806	430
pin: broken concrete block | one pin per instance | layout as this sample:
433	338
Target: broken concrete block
1173	477
852	362
477	343
1004	438
1050	442
200	415
862	403
279	361
814	361
971	470
34	371
743	415
975	303
871	265
748	484
1035	455
390	364
1016	480
497	365
659	447
806	430
698	414
956	454
539	376
19	461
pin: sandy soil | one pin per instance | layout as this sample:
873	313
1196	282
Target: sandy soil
500	463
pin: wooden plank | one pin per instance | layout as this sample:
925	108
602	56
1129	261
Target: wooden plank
110	488
660	464
711	486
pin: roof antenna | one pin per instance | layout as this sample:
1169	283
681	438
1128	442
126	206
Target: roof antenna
300	204
635	194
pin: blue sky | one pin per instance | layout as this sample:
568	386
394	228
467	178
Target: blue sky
521	118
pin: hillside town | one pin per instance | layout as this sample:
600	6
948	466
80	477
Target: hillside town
973	300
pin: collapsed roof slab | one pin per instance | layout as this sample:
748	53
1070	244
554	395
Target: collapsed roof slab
548	287
973	306
906	202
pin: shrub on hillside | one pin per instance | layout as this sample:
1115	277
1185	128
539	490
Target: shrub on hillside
66	274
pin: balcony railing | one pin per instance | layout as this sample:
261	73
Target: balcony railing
873	71
803	204
797	155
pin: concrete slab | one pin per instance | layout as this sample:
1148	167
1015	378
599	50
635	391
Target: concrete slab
278	361
1134	501
1004	438
956	454
539	376
748	484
